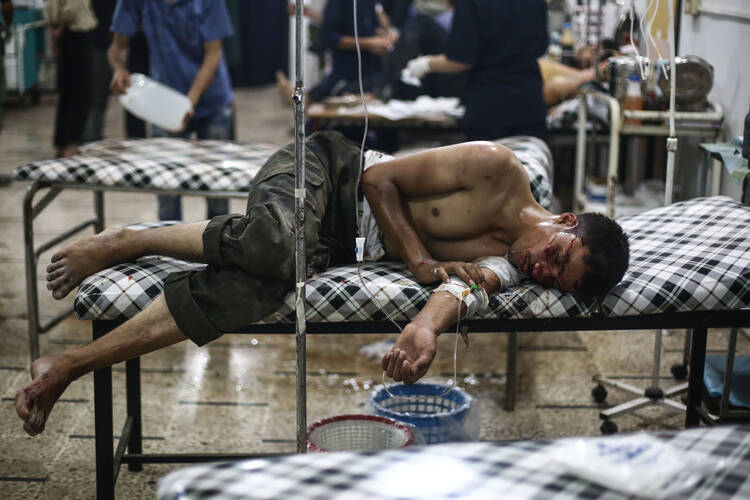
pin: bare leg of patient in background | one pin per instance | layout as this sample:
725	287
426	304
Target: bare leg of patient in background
148	331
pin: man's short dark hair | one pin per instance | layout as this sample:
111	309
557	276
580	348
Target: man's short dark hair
608	255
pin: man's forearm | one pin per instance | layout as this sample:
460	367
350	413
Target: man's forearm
376	44
207	71
441	310
117	54
441	64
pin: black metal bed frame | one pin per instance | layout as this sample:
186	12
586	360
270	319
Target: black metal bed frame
129	446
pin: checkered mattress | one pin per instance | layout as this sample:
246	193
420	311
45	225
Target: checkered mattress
521	469
690	256
175	164
165	163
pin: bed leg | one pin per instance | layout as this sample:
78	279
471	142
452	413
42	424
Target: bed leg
510	378
695	376
133	387
103	435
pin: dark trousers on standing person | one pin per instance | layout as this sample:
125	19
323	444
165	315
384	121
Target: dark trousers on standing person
101	75
219	126
137	63
74	87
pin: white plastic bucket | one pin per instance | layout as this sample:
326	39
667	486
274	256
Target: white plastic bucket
155	103
357	432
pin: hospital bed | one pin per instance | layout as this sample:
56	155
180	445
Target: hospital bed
690	268
520	469
160	165
168	165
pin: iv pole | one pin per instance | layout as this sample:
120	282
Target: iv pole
672	139
299	225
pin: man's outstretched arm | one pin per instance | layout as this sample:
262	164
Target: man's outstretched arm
415	348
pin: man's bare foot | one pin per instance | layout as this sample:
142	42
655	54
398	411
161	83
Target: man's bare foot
86	256
412	354
69	150
34	402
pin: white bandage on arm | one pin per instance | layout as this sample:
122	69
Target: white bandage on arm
504	270
474	299
419	66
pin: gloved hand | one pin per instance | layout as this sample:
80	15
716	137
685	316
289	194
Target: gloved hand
419	66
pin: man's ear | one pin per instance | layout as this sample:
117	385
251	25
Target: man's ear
567	219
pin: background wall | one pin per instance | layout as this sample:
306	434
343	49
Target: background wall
723	41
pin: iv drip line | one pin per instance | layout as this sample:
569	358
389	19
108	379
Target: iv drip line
356	205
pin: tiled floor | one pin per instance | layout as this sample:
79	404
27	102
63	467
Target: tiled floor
237	394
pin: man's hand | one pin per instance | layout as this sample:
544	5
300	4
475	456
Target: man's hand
185	120
380	45
120	81
429	271
55	33
412	354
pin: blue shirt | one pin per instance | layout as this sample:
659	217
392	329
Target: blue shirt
338	21
501	41
176	34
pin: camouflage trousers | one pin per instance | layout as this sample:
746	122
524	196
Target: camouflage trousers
251	257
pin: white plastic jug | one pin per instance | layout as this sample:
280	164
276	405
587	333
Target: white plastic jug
154	102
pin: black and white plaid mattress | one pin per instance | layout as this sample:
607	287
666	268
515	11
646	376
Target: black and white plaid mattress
456	470
536	158
691	256
160	163
168	163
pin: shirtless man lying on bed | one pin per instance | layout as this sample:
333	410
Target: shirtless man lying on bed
439	210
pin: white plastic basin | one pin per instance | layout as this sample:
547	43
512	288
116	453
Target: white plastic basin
154	102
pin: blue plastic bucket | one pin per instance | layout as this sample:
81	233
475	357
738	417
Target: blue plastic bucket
438	417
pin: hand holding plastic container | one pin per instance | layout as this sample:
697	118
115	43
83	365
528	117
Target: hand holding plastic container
156	103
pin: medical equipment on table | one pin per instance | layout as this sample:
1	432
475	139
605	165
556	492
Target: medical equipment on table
620	70
694	78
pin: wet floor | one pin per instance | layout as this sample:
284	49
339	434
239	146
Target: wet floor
238	393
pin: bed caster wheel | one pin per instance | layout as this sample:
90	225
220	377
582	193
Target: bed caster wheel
679	371
599	393
608	427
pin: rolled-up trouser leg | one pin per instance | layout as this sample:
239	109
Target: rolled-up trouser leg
251	258
214	301
262	243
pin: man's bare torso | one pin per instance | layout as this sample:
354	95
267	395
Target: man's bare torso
466	224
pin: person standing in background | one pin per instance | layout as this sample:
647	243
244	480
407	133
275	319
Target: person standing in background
70	23
498	44
137	63
100	72
337	35
5	34
184	40
424	32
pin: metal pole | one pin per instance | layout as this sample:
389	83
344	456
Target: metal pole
299	213
32	296
672	139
